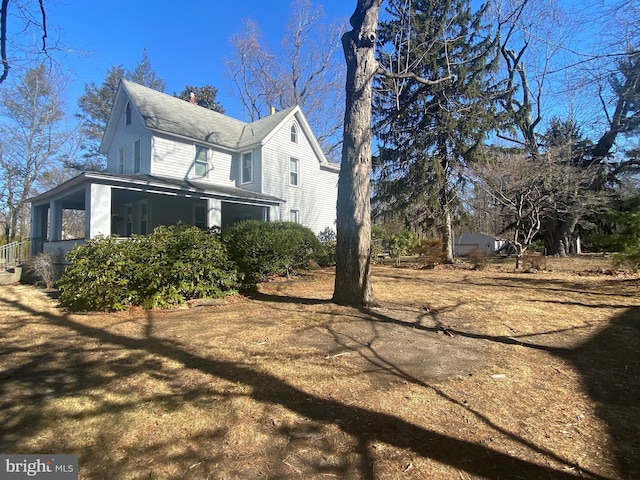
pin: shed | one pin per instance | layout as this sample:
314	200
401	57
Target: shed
467	241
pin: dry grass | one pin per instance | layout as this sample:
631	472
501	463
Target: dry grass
460	374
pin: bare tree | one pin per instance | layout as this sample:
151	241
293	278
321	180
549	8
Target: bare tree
32	140
25	14
305	71
518	190
537	55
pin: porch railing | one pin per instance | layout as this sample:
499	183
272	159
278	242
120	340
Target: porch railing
13	254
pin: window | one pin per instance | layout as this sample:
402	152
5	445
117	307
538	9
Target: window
143	211
201	163
294	133
294	216
121	160
247	167
128	114
294	165
136	156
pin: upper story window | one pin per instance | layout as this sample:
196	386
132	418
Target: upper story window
247	167
136	156
121	160
201	162
127	114
294	133
294	171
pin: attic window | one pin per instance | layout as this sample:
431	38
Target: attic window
128	114
294	133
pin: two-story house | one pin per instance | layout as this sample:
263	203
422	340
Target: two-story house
170	161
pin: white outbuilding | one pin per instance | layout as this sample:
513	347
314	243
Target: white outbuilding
467	241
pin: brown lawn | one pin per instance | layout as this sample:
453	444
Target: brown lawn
460	374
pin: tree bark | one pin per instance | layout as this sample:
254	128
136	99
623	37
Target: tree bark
447	227
353	246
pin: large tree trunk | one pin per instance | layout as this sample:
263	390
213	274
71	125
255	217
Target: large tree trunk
558	237
447	231
353	245
552	238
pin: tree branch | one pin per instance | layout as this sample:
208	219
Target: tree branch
3	40
424	81
44	25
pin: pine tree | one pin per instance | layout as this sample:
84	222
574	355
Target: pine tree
95	107
425	131
204	96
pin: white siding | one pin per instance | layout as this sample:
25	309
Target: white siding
124	137
175	159
172	159
316	195
221	168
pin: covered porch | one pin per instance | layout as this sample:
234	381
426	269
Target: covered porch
94	204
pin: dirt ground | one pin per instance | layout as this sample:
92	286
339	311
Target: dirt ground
459	374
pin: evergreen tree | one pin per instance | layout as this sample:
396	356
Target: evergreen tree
95	107
143	74
426	131
204	96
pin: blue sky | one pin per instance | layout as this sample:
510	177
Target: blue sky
186	40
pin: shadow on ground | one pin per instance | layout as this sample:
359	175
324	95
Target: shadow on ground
609	364
619	400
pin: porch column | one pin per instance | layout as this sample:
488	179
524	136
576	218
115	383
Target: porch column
39	220
97	214
274	213
214	213
55	221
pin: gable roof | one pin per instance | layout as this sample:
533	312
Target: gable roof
173	116
258	131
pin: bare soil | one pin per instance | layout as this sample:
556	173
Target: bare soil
459	374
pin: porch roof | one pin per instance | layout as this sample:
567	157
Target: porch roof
158	185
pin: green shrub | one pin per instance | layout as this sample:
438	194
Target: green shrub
401	243
185	263
327	254
625	239
265	248
168	267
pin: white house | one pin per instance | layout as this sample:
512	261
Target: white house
169	160
466	242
